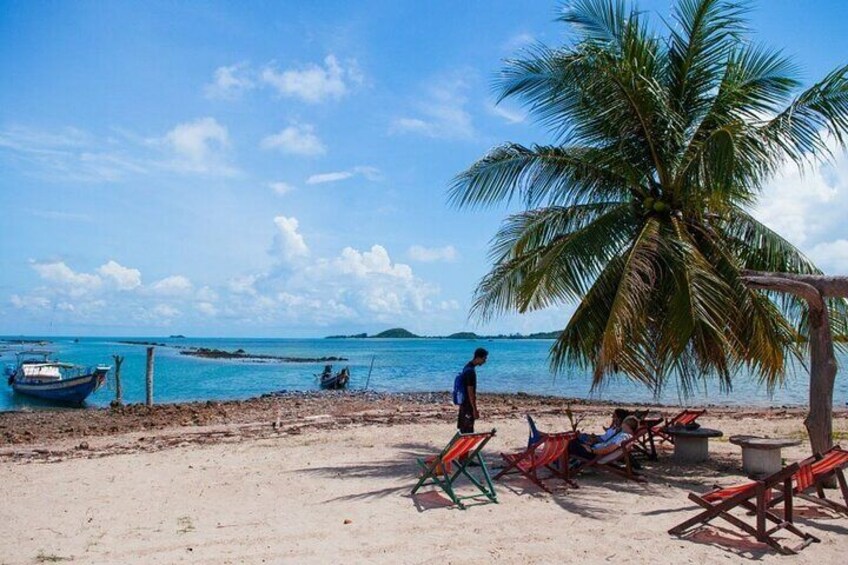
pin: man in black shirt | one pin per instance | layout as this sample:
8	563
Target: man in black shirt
468	409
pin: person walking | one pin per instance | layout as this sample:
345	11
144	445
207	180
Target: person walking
467	385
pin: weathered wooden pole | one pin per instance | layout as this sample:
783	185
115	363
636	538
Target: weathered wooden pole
149	378
119	395
814	289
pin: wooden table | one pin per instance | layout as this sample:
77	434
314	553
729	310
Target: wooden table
692	445
761	455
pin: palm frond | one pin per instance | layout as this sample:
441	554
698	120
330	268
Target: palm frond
560	175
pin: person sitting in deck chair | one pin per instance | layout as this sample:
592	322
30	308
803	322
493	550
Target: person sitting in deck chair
591	450
618	416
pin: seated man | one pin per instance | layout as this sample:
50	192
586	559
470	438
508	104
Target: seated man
618	415
592	450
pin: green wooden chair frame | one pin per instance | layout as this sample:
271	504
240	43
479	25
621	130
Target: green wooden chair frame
461	452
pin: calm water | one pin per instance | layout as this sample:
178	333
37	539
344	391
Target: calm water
401	365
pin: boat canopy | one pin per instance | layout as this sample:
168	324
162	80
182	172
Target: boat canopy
42	371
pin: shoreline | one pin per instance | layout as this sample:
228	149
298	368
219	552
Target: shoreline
52	434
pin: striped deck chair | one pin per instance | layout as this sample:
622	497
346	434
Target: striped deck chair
685	418
445	468
609	462
754	497
813	472
549	451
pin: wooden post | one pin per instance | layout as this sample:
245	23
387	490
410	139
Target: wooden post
814	289
368	380
149	378
119	395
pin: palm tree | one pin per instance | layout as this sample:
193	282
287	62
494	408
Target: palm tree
639	209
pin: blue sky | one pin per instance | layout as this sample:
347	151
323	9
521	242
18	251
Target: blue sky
281	169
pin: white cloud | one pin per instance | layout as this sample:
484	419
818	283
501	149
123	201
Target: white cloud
442	114
123	277
370	173
31	140
229	82
370	283
831	256
431	254
280	187
206	308
374	261
346	288
58	272
809	210
296	140
243	285
314	83
29	302
322	178
165	311
288	243
792	200
206	294
176	285
518	41
67	154
449	305
199	147
511	115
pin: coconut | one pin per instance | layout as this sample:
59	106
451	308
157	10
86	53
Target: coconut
660	206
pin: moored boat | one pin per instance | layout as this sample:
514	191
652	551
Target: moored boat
36	375
336	381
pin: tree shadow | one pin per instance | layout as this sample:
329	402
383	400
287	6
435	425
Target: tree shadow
403	465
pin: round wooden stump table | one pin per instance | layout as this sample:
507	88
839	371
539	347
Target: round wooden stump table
692	446
761	455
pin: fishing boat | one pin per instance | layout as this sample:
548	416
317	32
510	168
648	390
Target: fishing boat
35	374
337	381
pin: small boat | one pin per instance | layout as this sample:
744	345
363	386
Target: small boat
330	381
35	374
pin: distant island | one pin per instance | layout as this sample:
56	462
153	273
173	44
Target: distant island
402	333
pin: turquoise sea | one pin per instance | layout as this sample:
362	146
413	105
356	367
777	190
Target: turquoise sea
400	365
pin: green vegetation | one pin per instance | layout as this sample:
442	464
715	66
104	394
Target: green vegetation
463	335
638	210
403	333
396	333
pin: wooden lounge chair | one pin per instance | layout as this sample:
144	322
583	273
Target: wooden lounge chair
754	497
549	451
813	472
684	418
610	462
445	468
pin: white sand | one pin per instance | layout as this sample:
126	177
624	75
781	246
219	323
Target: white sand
287	499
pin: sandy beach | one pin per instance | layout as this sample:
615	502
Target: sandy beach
324	479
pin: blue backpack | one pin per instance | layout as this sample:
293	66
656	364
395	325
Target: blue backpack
459	388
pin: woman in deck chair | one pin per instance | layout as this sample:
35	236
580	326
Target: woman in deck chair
618	416
589	451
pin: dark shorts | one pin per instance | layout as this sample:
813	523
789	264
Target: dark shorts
465	421
580	450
